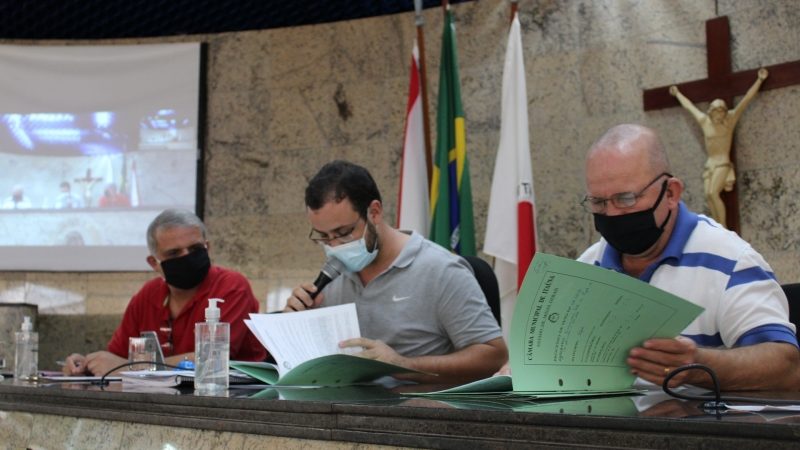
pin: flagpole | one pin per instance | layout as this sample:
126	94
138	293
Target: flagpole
513	9
423	82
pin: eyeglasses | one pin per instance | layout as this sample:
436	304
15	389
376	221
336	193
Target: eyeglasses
620	200
346	236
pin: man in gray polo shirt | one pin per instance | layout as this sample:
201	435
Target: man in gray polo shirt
419	306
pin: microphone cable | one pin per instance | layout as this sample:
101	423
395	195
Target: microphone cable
102	382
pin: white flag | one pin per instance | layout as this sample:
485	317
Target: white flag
134	186
413	198
510	229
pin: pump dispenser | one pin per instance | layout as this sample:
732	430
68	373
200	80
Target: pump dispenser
26	359
212	350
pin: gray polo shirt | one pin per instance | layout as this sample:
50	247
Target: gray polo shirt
427	302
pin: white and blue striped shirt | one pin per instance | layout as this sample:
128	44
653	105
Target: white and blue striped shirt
716	269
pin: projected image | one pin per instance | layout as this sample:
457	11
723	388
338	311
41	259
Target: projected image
95	162
95	141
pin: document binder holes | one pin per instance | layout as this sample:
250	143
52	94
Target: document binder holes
560	382
561	411
589	409
588	381
337	381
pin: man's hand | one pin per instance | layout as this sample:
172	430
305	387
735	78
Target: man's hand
505	370
374	349
74	365
99	363
301	298
656	358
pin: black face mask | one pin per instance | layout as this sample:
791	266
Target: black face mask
633	233
187	271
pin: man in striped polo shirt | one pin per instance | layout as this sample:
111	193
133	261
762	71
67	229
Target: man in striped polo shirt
744	333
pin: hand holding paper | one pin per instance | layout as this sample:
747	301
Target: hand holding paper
657	357
375	350
306	347
575	323
576	327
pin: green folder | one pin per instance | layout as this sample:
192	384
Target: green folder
331	370
573	326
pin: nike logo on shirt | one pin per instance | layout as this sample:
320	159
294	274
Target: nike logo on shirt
399	299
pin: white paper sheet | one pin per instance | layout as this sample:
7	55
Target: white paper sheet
292	338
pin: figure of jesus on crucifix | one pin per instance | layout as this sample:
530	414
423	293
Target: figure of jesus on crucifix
718	125
88	181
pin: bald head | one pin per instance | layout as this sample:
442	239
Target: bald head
631	141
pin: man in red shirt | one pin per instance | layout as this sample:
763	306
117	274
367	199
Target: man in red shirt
172	303
113	199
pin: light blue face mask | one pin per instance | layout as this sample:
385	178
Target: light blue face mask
354	255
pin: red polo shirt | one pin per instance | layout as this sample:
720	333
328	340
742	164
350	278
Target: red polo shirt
147	312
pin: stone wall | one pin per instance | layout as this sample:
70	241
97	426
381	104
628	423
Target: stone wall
282	102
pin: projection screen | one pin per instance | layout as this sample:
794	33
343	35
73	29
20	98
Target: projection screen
95	141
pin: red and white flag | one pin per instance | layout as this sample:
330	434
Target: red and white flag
510	229
413	198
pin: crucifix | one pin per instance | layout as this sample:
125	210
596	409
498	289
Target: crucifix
88	181
722	83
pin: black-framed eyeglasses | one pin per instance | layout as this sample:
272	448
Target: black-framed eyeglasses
346	236
620	200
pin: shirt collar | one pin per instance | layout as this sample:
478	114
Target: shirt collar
684	226
409	251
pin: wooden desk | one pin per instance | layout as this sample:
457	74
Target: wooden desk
371	416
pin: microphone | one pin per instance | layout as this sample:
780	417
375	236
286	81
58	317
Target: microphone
332	269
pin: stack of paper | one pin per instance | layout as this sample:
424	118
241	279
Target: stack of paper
170	378
305	346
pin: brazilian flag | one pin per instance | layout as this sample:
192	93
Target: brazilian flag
452	224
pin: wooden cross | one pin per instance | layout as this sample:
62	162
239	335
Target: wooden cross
724	84
88	181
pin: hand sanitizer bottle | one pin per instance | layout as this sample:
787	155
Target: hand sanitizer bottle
26	359
211	351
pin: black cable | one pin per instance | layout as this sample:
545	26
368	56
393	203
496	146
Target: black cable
716	402
710	371
103	382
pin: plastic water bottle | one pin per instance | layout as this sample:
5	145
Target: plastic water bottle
211	350
26	358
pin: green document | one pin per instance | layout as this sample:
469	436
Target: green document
331	370
573	326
